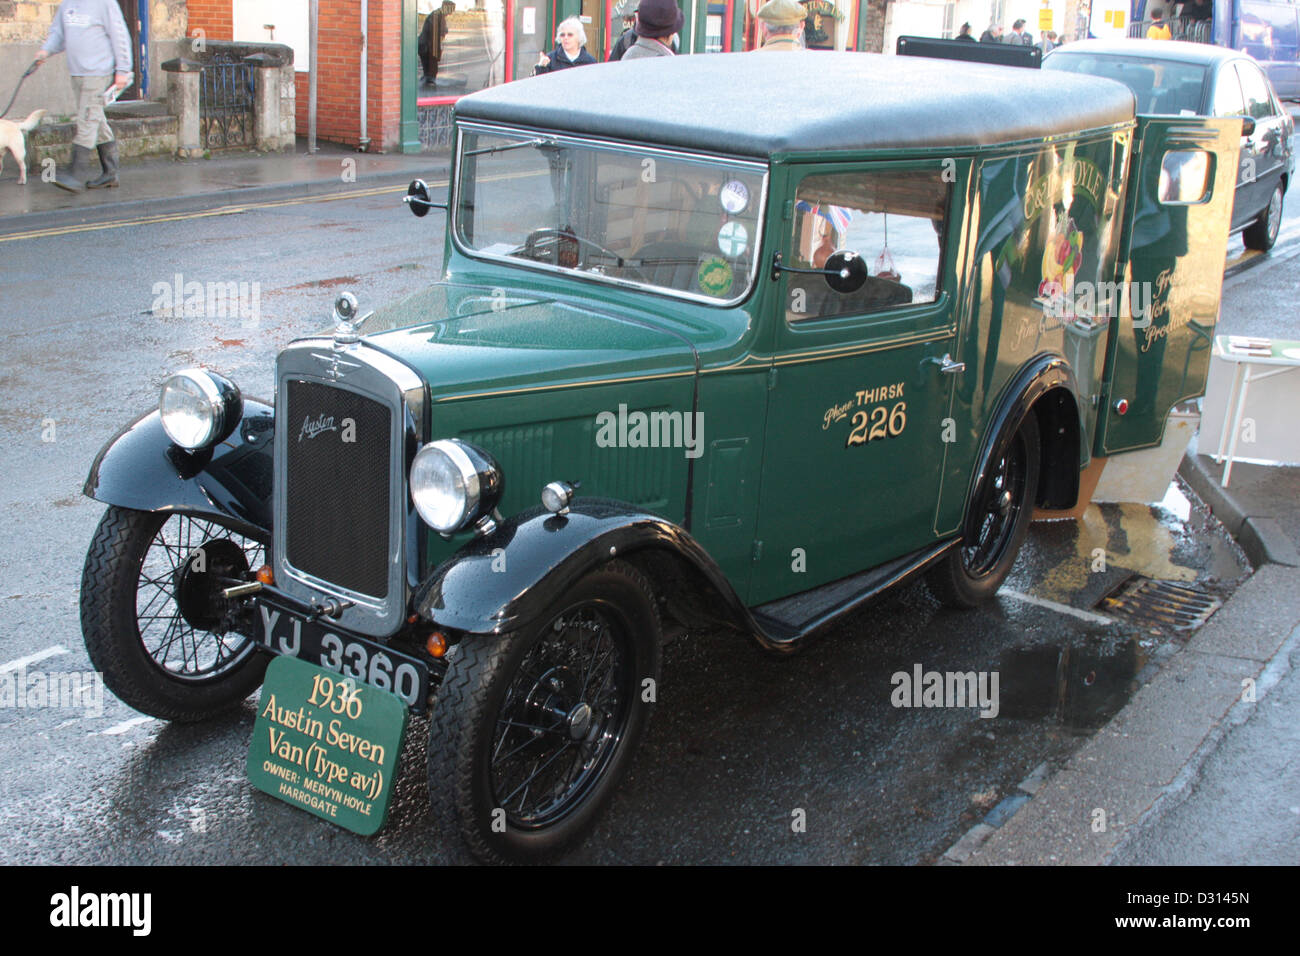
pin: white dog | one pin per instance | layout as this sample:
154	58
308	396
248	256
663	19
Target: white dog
13	137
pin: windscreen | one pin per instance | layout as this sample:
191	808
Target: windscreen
1161	87
668	222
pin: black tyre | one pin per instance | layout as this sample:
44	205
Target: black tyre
973	572
532	731
153	617
1262	233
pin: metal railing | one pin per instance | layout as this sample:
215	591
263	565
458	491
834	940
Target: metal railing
1181	28
226	89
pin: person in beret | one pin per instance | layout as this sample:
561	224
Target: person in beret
656	22
781	25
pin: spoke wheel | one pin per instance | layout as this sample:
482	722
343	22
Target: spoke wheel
1000	515
563	717
532	731
155	621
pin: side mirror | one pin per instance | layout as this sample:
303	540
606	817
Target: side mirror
1248	126
417	198
846	272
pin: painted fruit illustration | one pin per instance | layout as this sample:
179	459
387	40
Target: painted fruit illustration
1061	260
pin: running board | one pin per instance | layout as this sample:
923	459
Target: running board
781	625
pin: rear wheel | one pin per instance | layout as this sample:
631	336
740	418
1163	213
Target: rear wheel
972	573
1262	233
154	619
532	731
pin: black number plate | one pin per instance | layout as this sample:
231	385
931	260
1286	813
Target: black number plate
345	653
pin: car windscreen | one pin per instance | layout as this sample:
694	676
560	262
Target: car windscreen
670	222
1161	87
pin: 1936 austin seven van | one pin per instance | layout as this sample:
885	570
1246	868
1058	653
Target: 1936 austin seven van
729	341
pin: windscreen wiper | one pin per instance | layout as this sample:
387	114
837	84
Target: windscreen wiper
501	149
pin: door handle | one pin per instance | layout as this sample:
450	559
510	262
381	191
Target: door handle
948	366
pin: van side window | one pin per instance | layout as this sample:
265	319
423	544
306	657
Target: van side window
893	219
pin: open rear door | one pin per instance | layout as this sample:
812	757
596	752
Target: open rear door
1176	231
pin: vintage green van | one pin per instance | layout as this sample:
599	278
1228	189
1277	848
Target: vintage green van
722	341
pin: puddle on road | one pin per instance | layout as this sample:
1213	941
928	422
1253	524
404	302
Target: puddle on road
1077	562
1079	688
1081	684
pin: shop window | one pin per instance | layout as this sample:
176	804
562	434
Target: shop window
827	27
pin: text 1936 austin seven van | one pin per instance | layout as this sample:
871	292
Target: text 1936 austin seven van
717	344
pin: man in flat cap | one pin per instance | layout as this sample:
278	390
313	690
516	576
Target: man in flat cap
780	25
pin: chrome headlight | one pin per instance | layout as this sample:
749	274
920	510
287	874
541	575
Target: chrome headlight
454	484
199	408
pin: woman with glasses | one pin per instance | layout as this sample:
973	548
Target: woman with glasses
572	49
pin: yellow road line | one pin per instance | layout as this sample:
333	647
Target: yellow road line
220	211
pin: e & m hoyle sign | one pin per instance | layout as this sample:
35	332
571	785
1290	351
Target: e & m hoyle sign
326	744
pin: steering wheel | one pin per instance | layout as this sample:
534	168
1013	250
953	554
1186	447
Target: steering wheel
530	246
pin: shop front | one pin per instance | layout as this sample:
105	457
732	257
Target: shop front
463	46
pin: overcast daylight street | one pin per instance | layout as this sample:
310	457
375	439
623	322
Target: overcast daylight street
816	564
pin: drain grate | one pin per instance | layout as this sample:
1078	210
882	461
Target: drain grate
1170	604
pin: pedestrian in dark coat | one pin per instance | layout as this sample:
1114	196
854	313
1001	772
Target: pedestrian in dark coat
626	11
429	45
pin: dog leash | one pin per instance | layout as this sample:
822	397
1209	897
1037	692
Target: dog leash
30	70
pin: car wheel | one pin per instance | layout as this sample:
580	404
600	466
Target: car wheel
155	622
531	732
1262	233
972	572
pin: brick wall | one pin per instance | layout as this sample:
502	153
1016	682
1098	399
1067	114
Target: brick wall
213	17
338	88
26	21
874	11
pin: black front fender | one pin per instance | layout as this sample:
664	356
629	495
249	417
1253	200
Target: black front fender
504	581
141	468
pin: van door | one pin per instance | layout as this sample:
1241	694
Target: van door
1176	232
853	447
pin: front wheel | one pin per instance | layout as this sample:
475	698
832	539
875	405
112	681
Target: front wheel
155	622
971	573
532	731
1262	233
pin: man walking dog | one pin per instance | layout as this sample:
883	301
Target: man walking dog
99	53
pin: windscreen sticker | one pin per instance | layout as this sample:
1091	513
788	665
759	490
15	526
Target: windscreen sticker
733	239
715	276
734	196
